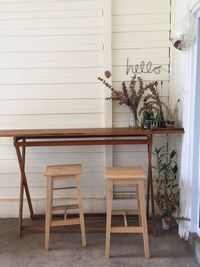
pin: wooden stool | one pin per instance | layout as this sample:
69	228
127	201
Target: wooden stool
63	172
129	176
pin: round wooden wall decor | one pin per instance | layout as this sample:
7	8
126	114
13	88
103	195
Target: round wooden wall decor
107	74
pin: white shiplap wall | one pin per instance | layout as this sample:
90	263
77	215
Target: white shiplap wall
51	53
50	57
140	32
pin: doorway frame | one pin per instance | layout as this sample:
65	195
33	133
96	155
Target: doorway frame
195	127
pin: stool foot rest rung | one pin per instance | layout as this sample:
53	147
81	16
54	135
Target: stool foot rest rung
126	229
65	207
128	212
62	188
123	196
65	222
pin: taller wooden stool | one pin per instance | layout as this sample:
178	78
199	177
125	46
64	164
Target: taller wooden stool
62	172
126	176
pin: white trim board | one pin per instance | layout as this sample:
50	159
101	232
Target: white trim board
194	153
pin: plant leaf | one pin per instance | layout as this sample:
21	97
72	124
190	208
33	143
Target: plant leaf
175	169
172	154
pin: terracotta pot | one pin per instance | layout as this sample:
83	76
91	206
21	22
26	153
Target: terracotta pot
166	221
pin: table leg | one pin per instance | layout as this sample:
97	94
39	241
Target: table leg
21	194
150	185
148	193
23	184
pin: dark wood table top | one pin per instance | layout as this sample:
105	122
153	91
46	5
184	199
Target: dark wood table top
87	132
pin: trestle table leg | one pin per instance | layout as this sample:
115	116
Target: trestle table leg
23	184
150	186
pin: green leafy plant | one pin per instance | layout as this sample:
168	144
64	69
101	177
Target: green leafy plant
167	192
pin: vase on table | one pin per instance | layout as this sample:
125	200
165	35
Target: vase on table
133	119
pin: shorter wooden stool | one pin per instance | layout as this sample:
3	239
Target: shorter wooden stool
63	172
126	176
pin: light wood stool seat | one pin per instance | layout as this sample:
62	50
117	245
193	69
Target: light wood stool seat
126	176
57	173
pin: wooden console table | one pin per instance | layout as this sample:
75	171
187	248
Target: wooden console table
82	137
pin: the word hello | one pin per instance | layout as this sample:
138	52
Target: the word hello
142	68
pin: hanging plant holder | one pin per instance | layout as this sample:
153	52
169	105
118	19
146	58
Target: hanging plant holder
185	33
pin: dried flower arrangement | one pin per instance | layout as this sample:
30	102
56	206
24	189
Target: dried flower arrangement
132	95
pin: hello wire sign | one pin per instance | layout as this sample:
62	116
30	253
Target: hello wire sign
143	67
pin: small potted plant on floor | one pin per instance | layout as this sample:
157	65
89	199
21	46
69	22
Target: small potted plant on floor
167	189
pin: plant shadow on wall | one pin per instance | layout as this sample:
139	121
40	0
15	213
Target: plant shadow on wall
143	101
167	187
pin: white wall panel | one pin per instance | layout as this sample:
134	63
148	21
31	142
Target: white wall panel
141	19
52	121
142	3
139	54
51	54
25	31
52	60
141	36
54	40
51	14
51	22
141	10
17	107
52	91
47	5
49	75
140	33
143	27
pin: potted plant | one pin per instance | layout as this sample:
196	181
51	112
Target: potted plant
152	104
167	191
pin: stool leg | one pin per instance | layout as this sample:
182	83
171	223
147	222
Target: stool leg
48	217
143	219
80	203
108	216
139	212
